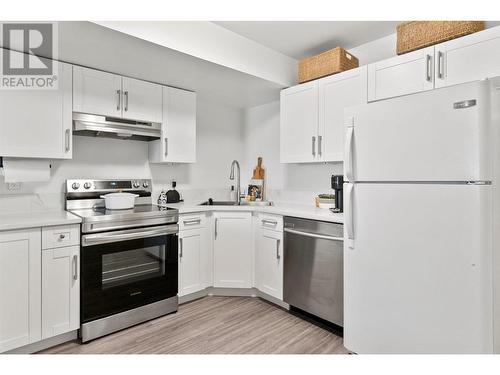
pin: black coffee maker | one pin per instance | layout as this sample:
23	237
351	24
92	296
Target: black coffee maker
338	186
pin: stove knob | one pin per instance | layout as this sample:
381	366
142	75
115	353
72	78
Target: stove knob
87	185
145	184
136	184
75	185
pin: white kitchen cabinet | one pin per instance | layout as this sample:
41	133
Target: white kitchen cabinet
20	292
232	248
269	262
97	92
193	260
401	75
337	92
470	58
106	94
142	100
60	290
299	123
178	141
36	123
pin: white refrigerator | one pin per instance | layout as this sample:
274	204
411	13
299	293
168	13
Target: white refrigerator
421	222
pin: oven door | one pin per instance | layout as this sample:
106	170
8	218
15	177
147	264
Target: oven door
125	269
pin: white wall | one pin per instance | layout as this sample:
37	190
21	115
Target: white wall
284	182
219	141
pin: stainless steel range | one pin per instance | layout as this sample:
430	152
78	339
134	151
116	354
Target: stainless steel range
128	257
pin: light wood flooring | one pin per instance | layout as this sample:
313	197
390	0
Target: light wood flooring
217	325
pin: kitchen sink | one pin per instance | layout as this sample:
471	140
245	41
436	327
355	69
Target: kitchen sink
211	202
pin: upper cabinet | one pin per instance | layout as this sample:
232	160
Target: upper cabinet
311	119
106	94
178	142
401	75
472	57
36	123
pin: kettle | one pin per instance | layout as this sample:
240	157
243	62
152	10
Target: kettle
171	196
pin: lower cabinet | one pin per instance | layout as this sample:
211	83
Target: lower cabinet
20	292
233	249
60	290
194	253
269	260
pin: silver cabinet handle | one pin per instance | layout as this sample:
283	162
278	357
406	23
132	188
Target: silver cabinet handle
440	65
271	222
194	221
62	236
313	235
119	96
126	101
278	256
428	68
215	228
314	146
320	139
67	139
166	146
180	250
75	267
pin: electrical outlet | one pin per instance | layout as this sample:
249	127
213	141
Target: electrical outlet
12	186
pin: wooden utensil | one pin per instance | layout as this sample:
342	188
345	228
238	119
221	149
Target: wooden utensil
258	172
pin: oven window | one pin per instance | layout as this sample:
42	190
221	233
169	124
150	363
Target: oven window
132	265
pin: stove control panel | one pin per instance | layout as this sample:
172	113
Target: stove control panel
107	186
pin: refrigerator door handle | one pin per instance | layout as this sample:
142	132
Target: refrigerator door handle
348	154
348	215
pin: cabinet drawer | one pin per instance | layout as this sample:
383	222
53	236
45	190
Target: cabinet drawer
192	221
273	222
60	236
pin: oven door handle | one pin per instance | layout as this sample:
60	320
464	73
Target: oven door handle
100	238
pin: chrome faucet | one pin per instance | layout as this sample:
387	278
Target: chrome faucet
231	177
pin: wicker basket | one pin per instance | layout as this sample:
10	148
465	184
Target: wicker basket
329	62
419	34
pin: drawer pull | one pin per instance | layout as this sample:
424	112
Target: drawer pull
270	222
62	236
191	222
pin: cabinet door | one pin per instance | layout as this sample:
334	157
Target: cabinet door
20	307
193	259
401	75
299	123
336	93
60	290
269	262
97	92
36	123
470	58
142	100
233	249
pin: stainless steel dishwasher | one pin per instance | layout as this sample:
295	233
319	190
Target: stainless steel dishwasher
313	267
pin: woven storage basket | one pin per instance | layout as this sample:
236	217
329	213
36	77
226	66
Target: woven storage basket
329	62
419	34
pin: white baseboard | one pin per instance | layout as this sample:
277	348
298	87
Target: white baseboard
45	344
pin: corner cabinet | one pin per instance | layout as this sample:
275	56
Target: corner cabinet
311	118
37	123
20	277
233	246
178	140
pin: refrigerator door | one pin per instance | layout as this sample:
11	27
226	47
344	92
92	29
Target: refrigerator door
439	135
417	271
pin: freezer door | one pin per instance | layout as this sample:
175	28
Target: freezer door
439	135
417	272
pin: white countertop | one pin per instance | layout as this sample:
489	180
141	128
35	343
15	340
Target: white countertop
285	209
12	221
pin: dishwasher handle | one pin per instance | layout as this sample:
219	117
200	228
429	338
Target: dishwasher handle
313	235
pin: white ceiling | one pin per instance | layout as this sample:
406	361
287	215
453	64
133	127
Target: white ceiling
299	39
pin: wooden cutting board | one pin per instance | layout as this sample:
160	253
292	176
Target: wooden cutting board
258	172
